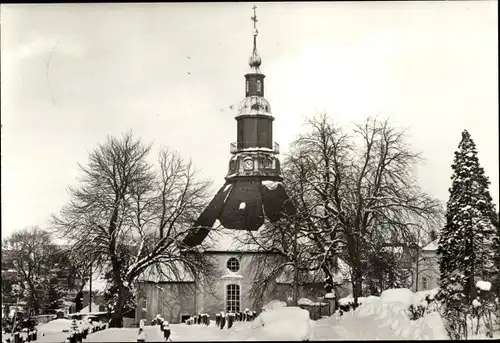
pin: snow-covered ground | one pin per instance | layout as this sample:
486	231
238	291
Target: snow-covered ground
384	317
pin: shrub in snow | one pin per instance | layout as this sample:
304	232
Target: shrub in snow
416	311
485	312
423	302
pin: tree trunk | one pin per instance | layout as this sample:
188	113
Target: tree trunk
117	315
358	276
416	274
357	283
296	287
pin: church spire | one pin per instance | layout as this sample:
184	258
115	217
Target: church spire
255	59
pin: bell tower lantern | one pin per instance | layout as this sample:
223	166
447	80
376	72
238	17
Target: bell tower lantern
255	153
253	193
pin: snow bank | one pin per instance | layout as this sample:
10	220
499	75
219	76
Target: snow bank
347	300
399	295
284	323
350	300
384	317
274	304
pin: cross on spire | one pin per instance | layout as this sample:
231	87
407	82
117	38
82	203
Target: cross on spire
254	17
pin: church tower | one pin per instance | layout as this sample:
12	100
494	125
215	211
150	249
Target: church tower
253	192
255	153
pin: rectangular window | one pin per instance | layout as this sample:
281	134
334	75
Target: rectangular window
425	283
233	298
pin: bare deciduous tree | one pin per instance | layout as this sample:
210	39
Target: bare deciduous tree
353	185
126	218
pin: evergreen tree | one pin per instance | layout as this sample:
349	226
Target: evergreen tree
467	242
496	251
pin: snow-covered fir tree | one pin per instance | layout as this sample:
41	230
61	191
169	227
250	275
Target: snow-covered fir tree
467	242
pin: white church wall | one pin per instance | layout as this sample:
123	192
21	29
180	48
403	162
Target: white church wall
171	300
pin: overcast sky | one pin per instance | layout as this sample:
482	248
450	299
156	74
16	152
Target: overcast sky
73	74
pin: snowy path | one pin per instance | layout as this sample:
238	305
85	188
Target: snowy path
153	334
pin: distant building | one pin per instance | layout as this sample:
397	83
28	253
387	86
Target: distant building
426	274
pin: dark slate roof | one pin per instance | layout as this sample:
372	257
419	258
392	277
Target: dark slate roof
243	205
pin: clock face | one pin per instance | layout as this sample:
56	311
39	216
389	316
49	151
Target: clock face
248	164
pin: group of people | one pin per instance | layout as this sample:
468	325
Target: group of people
158	320
222	318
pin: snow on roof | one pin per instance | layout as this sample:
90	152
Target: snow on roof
483	285
432	246
173	272
329	296
344	271
95	308
271	184
305	301
222	239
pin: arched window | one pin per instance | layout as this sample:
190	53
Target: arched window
248	86
259	86
233	264
233	298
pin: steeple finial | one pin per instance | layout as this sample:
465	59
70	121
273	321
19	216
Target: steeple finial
254	17
255	59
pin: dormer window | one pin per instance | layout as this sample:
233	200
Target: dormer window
259	86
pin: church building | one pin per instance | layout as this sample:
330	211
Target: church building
251	196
